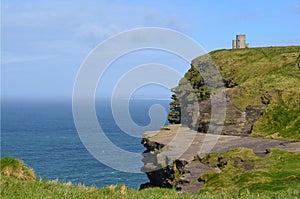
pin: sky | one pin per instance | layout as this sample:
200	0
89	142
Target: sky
44	43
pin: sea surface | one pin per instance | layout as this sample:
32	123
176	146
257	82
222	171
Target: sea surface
43	135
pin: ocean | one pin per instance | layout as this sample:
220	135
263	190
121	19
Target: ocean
43	135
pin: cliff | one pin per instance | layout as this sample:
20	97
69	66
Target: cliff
260	88
237	92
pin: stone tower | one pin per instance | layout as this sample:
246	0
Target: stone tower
240	42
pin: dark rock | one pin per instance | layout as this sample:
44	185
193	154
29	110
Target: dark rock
180	165
221	162
146	185
151	146
161	177
253	113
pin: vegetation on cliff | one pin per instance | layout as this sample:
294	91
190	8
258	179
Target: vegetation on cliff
175	111
266	78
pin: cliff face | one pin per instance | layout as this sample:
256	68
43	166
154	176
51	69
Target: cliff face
236	122
258	84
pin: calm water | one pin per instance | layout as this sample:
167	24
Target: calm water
43	135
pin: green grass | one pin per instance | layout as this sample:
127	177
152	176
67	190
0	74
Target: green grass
244	172
12	188
281	119
281	180
16	168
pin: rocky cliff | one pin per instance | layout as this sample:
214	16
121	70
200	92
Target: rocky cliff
257	84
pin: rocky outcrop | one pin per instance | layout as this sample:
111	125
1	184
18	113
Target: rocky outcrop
170	160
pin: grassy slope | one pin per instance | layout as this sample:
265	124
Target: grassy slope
243	171
260	70
285	181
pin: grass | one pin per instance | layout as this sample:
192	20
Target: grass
281	181
243	172
16	168
12	188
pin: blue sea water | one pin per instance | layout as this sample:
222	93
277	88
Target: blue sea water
43	135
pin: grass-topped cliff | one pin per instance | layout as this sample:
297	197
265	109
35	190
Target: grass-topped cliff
265	80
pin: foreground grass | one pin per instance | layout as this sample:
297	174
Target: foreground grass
14	188
274	177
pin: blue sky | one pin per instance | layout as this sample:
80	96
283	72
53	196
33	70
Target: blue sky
43	43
